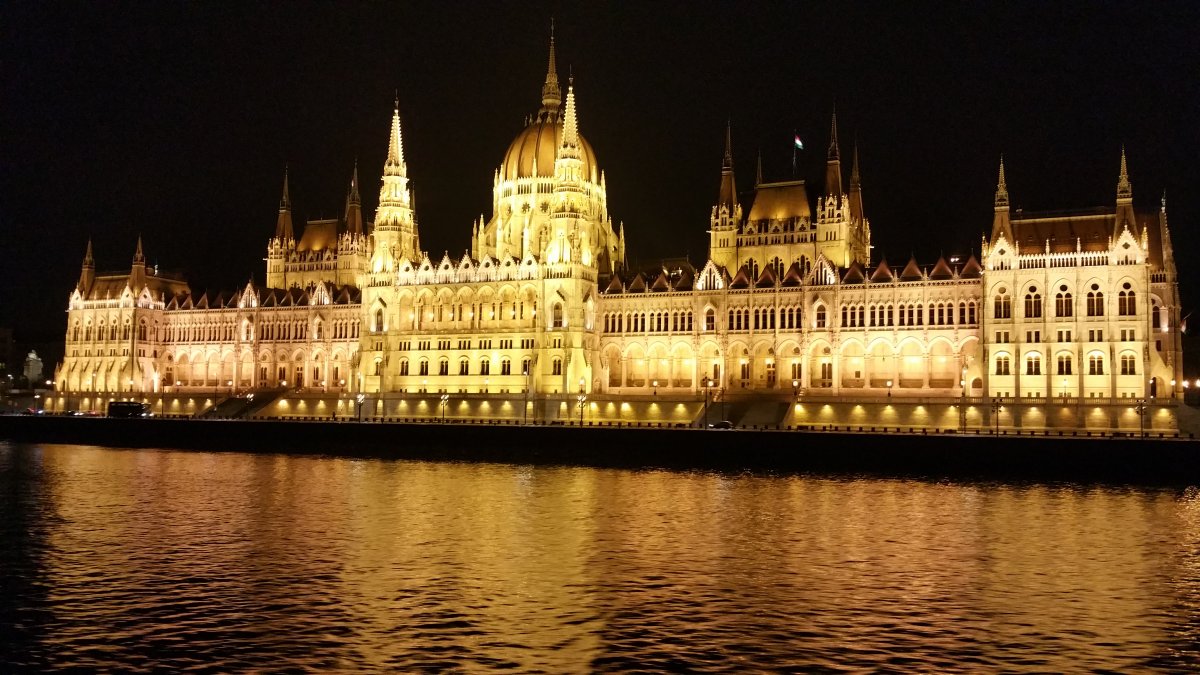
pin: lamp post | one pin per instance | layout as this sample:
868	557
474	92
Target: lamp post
1141	412
962	406
525	396
445	402
707	384
996	414
889	386
359	399
795	390
656	387
583	397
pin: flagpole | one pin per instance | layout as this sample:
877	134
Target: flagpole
794	134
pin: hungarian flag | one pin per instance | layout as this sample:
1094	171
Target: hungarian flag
799	143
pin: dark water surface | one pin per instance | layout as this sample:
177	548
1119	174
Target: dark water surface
155	559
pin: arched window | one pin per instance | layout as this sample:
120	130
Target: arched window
404	366
1033	304
1128	364
317	328
443	366
377	325
1033	364
1063	304
464	367
1002	307
1064	364
1095	301
556	367
710	319
1003	367
1126	301
142	331
820	316
1096	364
485	366
505	366
424	367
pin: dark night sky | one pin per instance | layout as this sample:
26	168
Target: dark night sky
174	120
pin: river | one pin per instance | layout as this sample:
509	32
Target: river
168	560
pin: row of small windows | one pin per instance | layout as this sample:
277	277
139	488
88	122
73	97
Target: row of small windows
1064	305
906	314
464	367
210	332
1095	364
649	322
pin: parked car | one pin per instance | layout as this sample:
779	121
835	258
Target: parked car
723	424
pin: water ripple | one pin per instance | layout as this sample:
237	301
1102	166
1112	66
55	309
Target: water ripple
142	561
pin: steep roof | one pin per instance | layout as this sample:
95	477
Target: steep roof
882	272
941	271
777	201
911	271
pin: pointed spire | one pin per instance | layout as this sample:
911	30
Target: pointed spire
833	164
87	273
834	151
283	223
727	158
570	123
855	178
1001	188
285	202
354	219
1001	221
1124	187
758	174
551	93
728	194
138	257
395	156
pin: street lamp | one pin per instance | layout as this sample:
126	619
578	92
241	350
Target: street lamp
795	390
889	386
360	398
707	384
1141	412
996	407
656	387
1064	389
582	401
445	401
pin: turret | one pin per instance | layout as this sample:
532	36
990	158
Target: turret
833	163
137	272
87	273
1001	226
727	197
1125	217
283	223
354	219
395	220
551	93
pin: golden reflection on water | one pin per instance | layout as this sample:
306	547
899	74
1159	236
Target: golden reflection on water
248	561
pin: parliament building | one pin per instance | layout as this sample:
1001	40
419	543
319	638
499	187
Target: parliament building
1067	320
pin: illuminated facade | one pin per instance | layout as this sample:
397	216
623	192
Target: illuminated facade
1076	306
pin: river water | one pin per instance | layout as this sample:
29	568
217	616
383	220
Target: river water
156	559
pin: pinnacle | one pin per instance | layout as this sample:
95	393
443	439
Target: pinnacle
833	137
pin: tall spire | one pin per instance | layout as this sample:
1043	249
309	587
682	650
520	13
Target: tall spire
88	260
727	197
1125	217
283	223
395	156
570	123
834	151
87	272
138	257
758	174
1124	187
551	93
855	178
285	202
354	219
1001	223
833	164
1001	187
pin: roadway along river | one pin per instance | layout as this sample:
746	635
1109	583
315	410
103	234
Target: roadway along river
140	559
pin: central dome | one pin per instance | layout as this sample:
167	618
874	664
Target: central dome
540	140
